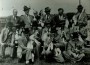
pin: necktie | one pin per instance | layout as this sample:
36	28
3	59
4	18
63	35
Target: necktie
14	18
28	19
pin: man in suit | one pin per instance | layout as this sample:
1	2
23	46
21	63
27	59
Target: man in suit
47	18
7	39
14	19
60	19
27	18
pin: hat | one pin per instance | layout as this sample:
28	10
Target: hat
47	9
80	7
60	9
26	8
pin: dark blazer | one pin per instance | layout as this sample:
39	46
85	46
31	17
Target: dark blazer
16	22
47	21
59	22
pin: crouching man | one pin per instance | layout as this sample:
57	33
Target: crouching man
7	39
22	46
75	49
34	44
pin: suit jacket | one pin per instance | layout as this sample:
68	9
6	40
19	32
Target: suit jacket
27	20
15	21
47	21
60	21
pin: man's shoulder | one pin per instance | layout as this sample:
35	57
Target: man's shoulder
18	16
23	16
76	13
64	15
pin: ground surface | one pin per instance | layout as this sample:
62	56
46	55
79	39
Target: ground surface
9	61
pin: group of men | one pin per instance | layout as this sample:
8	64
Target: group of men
45	36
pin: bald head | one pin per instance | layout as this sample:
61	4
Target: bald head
15	12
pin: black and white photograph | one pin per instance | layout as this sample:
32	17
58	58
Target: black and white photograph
44	32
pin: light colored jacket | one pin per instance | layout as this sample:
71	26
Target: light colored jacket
27	20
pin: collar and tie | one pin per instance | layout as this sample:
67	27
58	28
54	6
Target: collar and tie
28	18
15	18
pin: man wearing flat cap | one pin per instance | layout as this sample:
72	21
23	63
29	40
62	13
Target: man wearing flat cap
27	18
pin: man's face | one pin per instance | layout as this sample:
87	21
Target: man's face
79	10
15	12
60	12
27	12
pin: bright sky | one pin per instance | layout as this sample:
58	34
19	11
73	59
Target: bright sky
6	6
